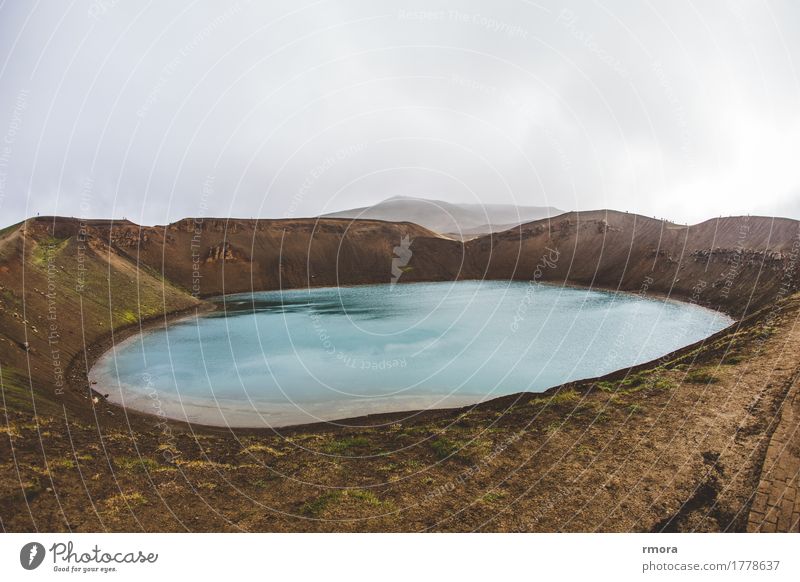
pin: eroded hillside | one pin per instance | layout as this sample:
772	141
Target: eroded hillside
679	443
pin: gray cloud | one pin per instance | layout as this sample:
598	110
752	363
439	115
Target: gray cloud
159	111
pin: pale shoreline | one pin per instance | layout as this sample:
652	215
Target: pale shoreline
254	414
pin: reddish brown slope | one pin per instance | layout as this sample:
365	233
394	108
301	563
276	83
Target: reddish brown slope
59	292
736	264
677	444
65	284
108	275
213	256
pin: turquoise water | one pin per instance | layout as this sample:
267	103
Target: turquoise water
277	358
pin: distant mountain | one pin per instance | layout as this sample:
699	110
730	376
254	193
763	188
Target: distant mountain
467	220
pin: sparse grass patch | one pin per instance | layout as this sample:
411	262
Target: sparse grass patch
559	398
462	418
444	447
260	448
9	298
47	249
16	389
127	316
124	501
168	452
37	424
493	496
264	482
765	331
662	384
647	380
203	465
10	431
316	507
136	464
62	464
636	380
701	377
38	469
617	400
553	427
601	418
346	445
633	409
605	386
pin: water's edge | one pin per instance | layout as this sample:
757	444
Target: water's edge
399	407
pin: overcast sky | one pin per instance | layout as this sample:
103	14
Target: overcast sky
161	110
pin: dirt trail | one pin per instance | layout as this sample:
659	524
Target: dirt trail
776	504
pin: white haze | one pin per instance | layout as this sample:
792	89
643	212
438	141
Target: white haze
160	110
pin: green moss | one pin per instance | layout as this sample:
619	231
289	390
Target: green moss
201	465
136	464
16	392
567	396
701	377
124	501
765	331
601	418
493	496
10	430
633	409
125	317
260	448
62	464
553	427
662	384
47	250
606	386
325	501
346	445
444	447
647	380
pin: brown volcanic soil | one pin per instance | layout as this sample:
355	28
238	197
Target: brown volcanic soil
735	264
677	444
